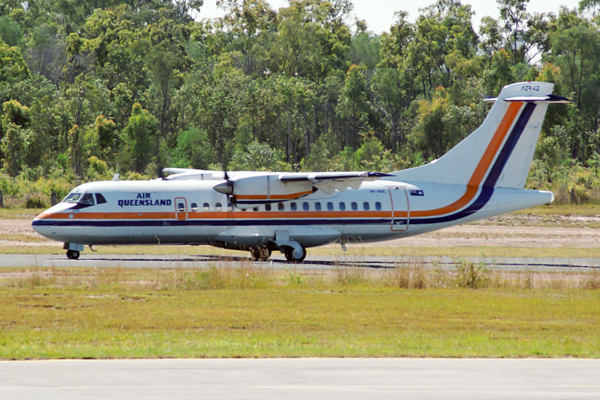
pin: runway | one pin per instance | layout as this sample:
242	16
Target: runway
278	262
266	379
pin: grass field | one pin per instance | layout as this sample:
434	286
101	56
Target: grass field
249	312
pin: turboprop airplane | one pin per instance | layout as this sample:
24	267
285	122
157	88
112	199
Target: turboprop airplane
482	176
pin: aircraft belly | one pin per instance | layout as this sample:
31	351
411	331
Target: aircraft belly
251	236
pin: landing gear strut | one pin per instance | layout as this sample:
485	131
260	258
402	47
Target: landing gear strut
260	253
73	254
295	255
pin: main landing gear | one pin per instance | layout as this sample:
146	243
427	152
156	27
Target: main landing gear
260	253
73	254
292	255
295	255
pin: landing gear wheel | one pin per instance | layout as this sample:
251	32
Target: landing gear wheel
72	254
260	253
295	256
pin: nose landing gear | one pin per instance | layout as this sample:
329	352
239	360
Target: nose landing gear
72	254
73	250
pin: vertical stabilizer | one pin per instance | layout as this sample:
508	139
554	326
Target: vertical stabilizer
500	151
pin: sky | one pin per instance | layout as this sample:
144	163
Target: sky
379	14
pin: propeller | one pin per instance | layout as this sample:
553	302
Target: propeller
226	187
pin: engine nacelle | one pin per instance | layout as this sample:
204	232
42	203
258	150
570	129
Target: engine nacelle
253	190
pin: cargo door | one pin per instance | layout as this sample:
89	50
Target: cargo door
400	209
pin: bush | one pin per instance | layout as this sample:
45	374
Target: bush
471	275
36	200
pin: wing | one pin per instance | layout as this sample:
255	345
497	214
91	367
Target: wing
328	182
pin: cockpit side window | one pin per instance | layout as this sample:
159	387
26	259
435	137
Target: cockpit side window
87	199
100	199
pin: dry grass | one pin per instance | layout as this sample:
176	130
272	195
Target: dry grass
252	312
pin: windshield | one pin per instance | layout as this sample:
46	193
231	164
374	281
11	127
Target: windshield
72	198
83	199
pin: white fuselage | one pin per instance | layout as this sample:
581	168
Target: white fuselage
192	212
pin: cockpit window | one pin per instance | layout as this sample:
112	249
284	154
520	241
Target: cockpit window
87	199
100	199
72	198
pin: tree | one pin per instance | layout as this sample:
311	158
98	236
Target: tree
12	65
354	107
140	138
10	32
435	132
12	146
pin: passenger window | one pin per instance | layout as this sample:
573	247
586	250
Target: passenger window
267	207
378	206
293	207
354	206
342	206
318	206
206	207
87	199
229	207
280	206
254	208
180	206
100	199
194	207
305	206
329	206
366	206
218	206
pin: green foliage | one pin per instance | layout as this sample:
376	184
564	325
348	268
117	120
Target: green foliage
10	31
257	157
12	64
140	138
90	88
193	149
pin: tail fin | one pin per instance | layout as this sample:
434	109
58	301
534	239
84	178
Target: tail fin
500	151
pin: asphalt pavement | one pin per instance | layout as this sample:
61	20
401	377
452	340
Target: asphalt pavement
313	378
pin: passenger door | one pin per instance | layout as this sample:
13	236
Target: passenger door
181	209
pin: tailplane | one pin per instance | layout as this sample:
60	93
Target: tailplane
500	151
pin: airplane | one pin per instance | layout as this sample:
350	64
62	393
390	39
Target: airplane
482	176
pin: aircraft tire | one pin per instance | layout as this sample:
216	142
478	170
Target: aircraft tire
255	253
73	254
262	253
292	257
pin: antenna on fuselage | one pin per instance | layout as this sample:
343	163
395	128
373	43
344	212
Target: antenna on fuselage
115	177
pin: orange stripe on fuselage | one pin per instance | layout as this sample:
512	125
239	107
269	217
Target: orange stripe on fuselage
212	215
482	167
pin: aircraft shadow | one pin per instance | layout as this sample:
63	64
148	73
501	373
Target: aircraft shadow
227	260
